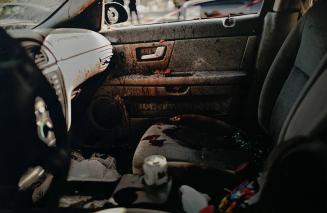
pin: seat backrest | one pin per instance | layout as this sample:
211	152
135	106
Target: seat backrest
308	117
295	64
296	171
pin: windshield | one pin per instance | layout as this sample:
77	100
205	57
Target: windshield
18	14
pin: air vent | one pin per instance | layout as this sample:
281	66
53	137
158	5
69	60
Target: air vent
40	58
55	81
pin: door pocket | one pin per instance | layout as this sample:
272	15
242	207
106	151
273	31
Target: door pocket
177	90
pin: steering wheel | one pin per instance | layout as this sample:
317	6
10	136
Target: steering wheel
34	154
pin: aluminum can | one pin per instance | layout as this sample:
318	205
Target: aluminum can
155	170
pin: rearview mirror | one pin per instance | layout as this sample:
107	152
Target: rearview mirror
115	13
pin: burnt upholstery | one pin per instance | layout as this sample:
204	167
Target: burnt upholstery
295	65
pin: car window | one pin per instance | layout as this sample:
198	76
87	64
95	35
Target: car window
15	14
162	11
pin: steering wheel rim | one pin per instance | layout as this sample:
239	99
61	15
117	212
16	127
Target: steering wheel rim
29	107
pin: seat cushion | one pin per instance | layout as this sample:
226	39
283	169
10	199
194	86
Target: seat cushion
155	141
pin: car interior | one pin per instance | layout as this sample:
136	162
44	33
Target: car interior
222	114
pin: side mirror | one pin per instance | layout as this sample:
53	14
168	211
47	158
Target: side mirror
115	13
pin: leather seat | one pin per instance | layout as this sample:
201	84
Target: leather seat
213	143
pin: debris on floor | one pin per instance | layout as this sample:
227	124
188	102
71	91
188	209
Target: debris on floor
73	201
85	202
100	168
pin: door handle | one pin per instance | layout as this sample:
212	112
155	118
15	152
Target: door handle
159	53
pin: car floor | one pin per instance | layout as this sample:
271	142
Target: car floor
88	195
122	149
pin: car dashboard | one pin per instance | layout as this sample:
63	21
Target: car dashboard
67	58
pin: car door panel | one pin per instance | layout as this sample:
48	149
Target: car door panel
159	95
208	54
206	28
205	68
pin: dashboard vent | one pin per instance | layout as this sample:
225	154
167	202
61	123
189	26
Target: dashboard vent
38	55
55	81
40	58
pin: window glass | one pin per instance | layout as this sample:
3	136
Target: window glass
163	11
15	14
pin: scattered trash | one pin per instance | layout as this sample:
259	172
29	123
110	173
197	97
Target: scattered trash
96	204
98	168
108	161
192	200
73	201
77	156
245	195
